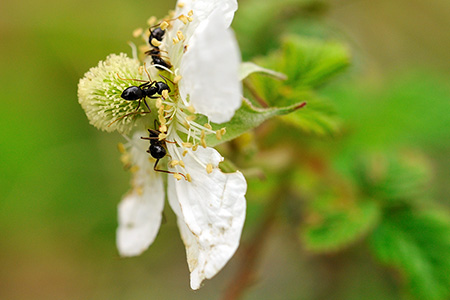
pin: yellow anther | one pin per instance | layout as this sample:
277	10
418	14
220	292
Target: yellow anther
165	94
183	19
158	103
218	135
180	35
152	20
125	159
208	126
169	107
164	25
155	42
209	168
163	128
223	131
195	147
162	136
139	191
202	139
188	177
175	41
134	169
121	148
173	163
186	124
177	79
141	70
190	13
177	176
184	153
190	19
191	118
191	109
171	14
161	119
186	145
182	164
180	5
137	32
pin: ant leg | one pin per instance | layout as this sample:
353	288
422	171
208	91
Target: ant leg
145	102
139	105
164	171
146	84
129	114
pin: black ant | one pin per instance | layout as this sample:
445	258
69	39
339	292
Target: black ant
157	149
147	89
155	53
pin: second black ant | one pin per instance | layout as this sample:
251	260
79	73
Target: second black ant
157	149
155	53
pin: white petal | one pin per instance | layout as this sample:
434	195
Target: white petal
211	213
140	211
210	70
203	8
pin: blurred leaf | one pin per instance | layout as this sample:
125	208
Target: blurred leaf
311	62
332	227
409	108
308	63
393	180
418	244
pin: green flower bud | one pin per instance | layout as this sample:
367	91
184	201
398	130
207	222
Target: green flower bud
99	93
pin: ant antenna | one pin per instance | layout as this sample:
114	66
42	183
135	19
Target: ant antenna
165	79
146	71
168	172
130	79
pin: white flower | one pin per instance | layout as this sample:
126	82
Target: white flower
210	205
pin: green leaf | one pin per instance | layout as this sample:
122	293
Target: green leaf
311	62
247	117
334	225
318	117
418	245
308	63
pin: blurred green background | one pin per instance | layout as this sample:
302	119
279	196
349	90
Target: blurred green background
61	179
